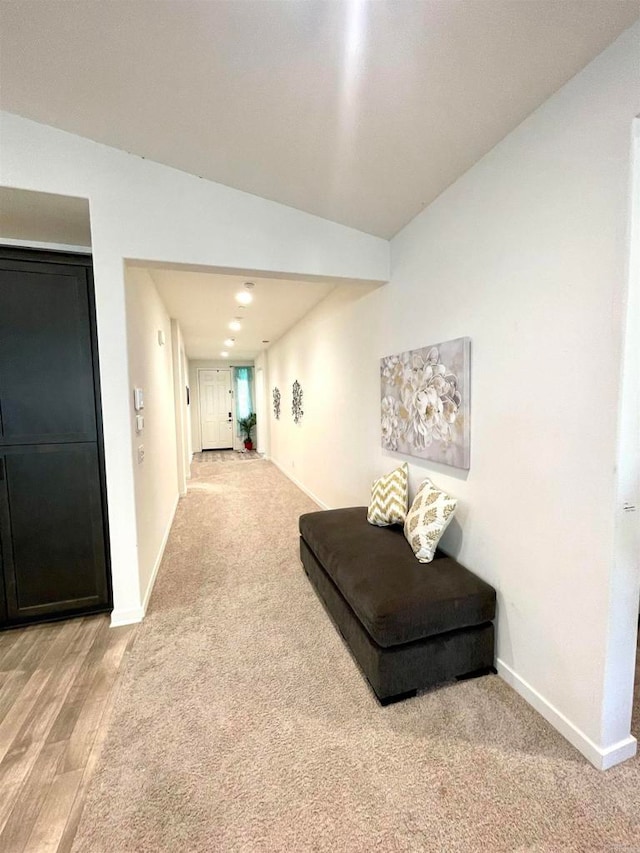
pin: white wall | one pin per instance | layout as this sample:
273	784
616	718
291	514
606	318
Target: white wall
142	210
186	382
333	453
624	587
151	368
180	381
527	255
28	217
263	403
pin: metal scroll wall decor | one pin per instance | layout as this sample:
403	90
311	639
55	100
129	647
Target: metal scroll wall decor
276	402
296	408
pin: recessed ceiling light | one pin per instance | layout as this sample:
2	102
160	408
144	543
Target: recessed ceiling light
244	297
224	353
266	342
229	342
235	325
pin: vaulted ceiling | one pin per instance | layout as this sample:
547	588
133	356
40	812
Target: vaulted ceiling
360	112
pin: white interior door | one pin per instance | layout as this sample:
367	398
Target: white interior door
216	407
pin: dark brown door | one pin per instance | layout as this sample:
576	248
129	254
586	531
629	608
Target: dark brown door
53	548
53	554
46	365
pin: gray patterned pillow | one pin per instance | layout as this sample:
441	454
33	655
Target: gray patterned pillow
428	518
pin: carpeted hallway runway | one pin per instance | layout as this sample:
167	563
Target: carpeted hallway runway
242	723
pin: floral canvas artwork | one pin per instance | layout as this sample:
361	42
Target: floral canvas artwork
425	402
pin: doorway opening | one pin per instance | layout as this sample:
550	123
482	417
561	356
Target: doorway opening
52	461
222	323
215	395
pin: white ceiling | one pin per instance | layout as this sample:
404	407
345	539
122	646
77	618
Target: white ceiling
204	304
361	112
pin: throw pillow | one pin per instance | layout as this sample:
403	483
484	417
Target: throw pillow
390	498
428	518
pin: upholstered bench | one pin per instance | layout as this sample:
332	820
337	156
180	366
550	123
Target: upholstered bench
409	625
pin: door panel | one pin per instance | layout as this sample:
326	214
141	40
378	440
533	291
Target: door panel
54	556
52	548
46	366
216	407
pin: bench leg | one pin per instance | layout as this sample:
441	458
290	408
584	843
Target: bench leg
399	697
477	673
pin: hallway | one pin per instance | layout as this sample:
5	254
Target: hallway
244	725
239	721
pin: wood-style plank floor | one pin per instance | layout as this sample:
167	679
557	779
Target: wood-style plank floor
56	691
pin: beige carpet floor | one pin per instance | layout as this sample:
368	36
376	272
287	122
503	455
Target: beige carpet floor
243	724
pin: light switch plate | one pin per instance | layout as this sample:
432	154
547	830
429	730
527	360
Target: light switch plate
140	453
139	423
138	399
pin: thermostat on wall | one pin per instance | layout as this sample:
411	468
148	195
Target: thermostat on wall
138	399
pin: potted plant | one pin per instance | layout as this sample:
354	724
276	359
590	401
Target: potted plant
246	425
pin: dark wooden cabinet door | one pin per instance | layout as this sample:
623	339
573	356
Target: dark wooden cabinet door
46	366
51	528
54	558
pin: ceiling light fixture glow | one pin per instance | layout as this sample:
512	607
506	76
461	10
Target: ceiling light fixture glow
224	354
235	326
244	297
229	342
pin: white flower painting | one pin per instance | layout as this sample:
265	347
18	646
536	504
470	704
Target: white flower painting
425	402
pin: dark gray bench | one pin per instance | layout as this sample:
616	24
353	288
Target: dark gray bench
409	625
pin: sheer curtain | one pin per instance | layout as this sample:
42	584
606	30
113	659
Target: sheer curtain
243	380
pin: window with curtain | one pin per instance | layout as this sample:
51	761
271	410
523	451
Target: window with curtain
243	379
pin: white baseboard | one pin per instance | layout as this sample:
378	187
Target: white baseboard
156	566
297	483
601	757
126	617
137	614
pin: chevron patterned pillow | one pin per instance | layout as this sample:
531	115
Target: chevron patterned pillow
428	518
390	498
